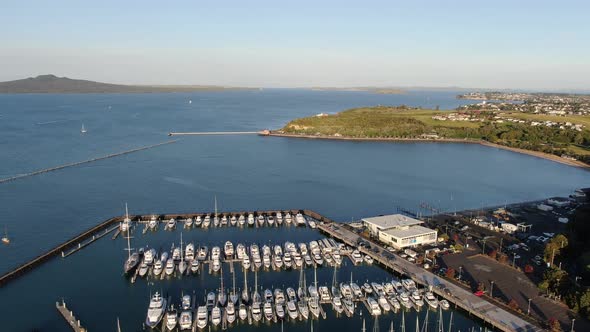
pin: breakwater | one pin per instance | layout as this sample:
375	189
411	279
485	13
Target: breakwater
78	163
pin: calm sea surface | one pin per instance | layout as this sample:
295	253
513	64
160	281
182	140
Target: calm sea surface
342	180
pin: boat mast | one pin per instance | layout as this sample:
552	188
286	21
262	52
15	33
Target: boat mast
403	322
118	325
417	324
181	251
450	321
315	278
234	282
376	324
216	205
128	245
363	329
441	326
391	326
126	211
425	324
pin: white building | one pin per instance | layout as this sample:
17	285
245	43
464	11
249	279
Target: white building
399	231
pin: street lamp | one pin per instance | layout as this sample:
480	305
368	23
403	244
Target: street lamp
572	329
528	311
492	289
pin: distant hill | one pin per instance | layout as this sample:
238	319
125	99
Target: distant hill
54	84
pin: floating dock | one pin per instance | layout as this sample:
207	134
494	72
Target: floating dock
69	317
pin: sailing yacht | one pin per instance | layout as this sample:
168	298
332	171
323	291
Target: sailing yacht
5	238
132	258
155	310
126	224
83	129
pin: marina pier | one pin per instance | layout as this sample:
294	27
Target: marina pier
68	315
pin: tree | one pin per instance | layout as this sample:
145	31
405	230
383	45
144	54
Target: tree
554	246
554	280
450	273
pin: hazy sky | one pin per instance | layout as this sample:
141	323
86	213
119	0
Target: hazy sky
490	44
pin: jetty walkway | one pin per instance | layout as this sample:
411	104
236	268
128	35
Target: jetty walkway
486	311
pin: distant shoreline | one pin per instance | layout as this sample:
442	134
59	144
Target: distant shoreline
538	154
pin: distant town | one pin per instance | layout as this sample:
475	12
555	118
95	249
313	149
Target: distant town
538	103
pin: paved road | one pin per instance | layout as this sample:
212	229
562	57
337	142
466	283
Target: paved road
489	312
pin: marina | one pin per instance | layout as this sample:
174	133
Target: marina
410	289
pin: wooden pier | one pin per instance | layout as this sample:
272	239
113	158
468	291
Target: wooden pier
69	317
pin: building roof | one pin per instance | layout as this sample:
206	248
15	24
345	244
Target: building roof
412	231
392	221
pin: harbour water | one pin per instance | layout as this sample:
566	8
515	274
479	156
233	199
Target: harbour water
342	180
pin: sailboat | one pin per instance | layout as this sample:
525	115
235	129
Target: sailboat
132	258
83	130
182	265
245	295
233	296
221	297
5	239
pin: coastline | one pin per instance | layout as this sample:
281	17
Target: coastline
538	154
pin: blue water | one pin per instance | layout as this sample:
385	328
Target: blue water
342	180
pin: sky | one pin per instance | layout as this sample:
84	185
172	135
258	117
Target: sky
518	44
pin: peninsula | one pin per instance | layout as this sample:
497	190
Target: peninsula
53	84
562	139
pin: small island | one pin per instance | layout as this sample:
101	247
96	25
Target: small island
53	84
559	138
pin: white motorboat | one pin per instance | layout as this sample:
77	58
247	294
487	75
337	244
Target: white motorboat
431	300
279	296
444	304
143	269
356	290
158	267
312	223
357	258
223	220
288	218
278	261
348	305
170	267
202	317
404	300
215	253
324	294
345	290
171	318
280	310
246	262
395	305
189	252
256	311
241	220
171	223
153	223
251	219
243	312
207	221
337	304
266	261
300	219
368	259
210	300
268	312
202	253
216	265
416	299
233	220
215	224
279	218
188	222
271	222
409	284
260	220
228	249
156	310
186	319
367	289
287	260
384	304
230	311
377	288
375	310
198	221
292	310
291	294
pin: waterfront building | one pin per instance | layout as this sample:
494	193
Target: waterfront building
399	231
